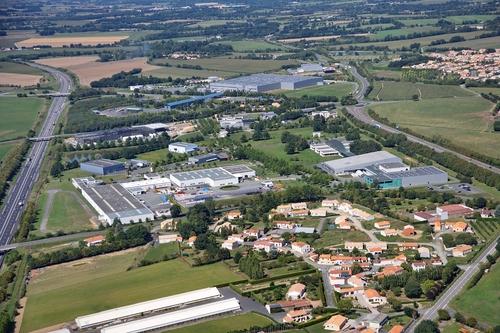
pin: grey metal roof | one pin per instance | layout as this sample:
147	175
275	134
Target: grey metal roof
415	172
263	79
102	163
362	161
393	165
215	174
237	168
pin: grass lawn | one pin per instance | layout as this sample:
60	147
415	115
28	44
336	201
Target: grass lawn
4	149
183	73
483	300
452	327
153	156
158	252
18	115
252	45
338	237
59	294
223	325
275	148
224	64
13	67
67	213
486	90
463	121
390	90
334	89
482	43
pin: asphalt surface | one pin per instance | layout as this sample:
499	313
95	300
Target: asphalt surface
12	210
358	111
455	288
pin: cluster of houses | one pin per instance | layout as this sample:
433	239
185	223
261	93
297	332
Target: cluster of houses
478	65
385	230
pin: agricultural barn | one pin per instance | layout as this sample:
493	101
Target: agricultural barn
266	82
102	167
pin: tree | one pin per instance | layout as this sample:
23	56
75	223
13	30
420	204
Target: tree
443	314
345	305
412	288
175	210
427	326
459	317
395	303
427	285
237	257
471	322
356	269
412	313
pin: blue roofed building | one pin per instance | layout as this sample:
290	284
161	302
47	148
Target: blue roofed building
192	100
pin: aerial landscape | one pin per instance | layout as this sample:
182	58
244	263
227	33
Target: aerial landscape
246	166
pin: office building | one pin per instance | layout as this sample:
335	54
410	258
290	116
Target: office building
102	166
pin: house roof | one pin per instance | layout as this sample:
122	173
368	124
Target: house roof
297	288
462	248
98	238
337	320
371	293
456	209
396	329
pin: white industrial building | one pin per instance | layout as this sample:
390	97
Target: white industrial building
358	162
182	147
214	177
147	184
112	202
129	311
176	317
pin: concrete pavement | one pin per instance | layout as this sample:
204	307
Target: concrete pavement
14	204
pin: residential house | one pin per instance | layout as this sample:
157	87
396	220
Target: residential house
408	231
319	212
353	245
288	305
397	329
487	213
382	225
344	226
233	215
253	233
95	240
297	316
390	271
239	238
284	209
335	323
407	246
230	244
301	247
459	226
356	281
296	291
418	265
287	225
330	203
299	213
169	238
362	214
299	205
375	321
345	207
191	240
461	250
389	232
374	298
424	252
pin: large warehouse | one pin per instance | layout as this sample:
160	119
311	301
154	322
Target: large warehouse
266	82
112	202
102	167
164	303
215	177
421	176
176	317
358	162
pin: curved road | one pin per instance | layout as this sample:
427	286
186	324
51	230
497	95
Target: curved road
359	113
11	211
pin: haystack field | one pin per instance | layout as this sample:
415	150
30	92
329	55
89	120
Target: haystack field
88	69
15	79
66	41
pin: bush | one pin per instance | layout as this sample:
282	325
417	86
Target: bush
427	326
443	314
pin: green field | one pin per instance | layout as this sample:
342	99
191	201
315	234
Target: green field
66	212
13	67
159	252
482	43
334	89
393	91
61	293
213	23
223	325
4	149
221	64
19	115
252	45
464	121
338	237
486	90
380	35
184	73
483	300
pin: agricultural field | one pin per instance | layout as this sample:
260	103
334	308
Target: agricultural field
400	32
19	115
464	121
483	300
185	73
159	252
482	43
88	69
252	45
238	322
390	91
4	149
14	36
224	64
91	39
15	74
213	23
335	89
486	90
486	228
60	293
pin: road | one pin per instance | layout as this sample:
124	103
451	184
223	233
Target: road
454	288
358	111
11	211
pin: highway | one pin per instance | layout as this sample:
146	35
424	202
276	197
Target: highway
20	189
454	289
358	111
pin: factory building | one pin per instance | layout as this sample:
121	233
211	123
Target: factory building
176	317
191	101
182	147
404	177
138	309
205	158
102	166
266	82
112	202
358	162
214	177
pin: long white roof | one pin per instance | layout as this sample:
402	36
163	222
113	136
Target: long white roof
148	306
176	317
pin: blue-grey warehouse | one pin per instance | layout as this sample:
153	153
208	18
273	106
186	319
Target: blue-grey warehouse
266	82
102	166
